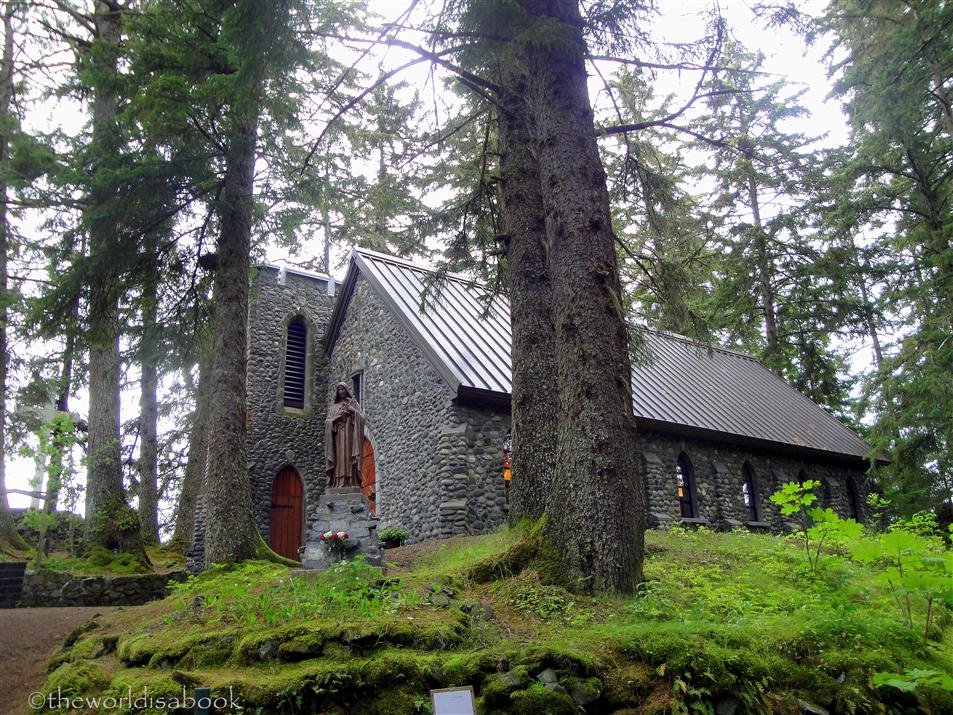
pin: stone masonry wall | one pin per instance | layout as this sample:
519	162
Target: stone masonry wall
45	588
718	477
469	464
280	436
406	402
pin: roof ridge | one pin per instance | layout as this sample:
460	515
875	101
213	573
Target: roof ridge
712	346
407	263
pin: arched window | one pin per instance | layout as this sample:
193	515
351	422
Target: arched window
749	493
853	501
296	355
827	497
685	481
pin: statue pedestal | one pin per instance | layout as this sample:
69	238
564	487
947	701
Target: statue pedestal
342	509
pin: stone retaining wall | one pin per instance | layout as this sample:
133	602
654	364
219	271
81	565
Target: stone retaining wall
54	588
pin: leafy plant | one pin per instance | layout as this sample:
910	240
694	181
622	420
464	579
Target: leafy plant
796	498
393	535
915	566
921	682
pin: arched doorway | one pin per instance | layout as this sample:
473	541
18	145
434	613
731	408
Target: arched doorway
369	476
287	513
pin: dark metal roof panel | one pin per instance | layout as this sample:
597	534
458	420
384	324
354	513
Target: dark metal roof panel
686	383
681	382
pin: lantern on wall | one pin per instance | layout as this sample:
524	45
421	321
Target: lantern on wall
507	452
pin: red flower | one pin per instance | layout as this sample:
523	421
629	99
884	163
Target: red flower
345	536
334	536
322	537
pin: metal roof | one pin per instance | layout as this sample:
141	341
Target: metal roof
679	385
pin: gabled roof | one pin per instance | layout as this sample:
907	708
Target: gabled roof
680	385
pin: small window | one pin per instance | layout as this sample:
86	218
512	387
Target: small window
749	493
357	383
296	354
686	487
827	497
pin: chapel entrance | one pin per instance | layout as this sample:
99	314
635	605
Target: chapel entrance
287	513
369	476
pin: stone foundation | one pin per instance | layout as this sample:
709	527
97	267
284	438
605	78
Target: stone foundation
342	510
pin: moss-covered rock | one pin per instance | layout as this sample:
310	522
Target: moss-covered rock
537	699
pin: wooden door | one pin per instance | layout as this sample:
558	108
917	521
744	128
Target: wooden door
287	513
369	476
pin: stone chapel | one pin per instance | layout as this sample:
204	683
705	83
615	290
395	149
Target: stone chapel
718	432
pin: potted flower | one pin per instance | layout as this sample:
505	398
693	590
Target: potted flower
393	536
335	542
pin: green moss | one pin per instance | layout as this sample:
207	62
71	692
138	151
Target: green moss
538	700
80	678
722	615
98	561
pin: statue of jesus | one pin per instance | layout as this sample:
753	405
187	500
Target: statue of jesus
343	439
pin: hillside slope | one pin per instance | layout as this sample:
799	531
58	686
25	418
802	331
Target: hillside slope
734	622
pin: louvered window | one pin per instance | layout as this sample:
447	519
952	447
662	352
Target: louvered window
295	356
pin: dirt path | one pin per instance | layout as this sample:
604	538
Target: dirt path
28	638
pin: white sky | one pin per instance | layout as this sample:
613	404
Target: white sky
679	22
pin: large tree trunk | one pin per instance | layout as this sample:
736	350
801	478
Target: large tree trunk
534	392
230	532
110	522
58	456
149	403
765	268
194	479
9	537
596	514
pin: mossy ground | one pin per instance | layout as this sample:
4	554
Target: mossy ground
102	562
722	618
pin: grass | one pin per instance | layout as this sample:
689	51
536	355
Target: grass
721	618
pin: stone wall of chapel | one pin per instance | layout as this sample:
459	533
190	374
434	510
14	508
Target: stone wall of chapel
719	475
277	435
438	463
406	402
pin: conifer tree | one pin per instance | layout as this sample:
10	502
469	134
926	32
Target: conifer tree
892	64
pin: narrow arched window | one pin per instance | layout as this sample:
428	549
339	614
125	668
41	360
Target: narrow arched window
853	501
827	497
684	479
296	355
749	493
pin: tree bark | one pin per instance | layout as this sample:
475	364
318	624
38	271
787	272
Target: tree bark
53	486
765	278
534	391
110	522
149	403
9	536
194	479
596	514
231	534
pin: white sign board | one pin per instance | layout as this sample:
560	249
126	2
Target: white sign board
453	701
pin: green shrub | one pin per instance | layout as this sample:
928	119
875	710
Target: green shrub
393	535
